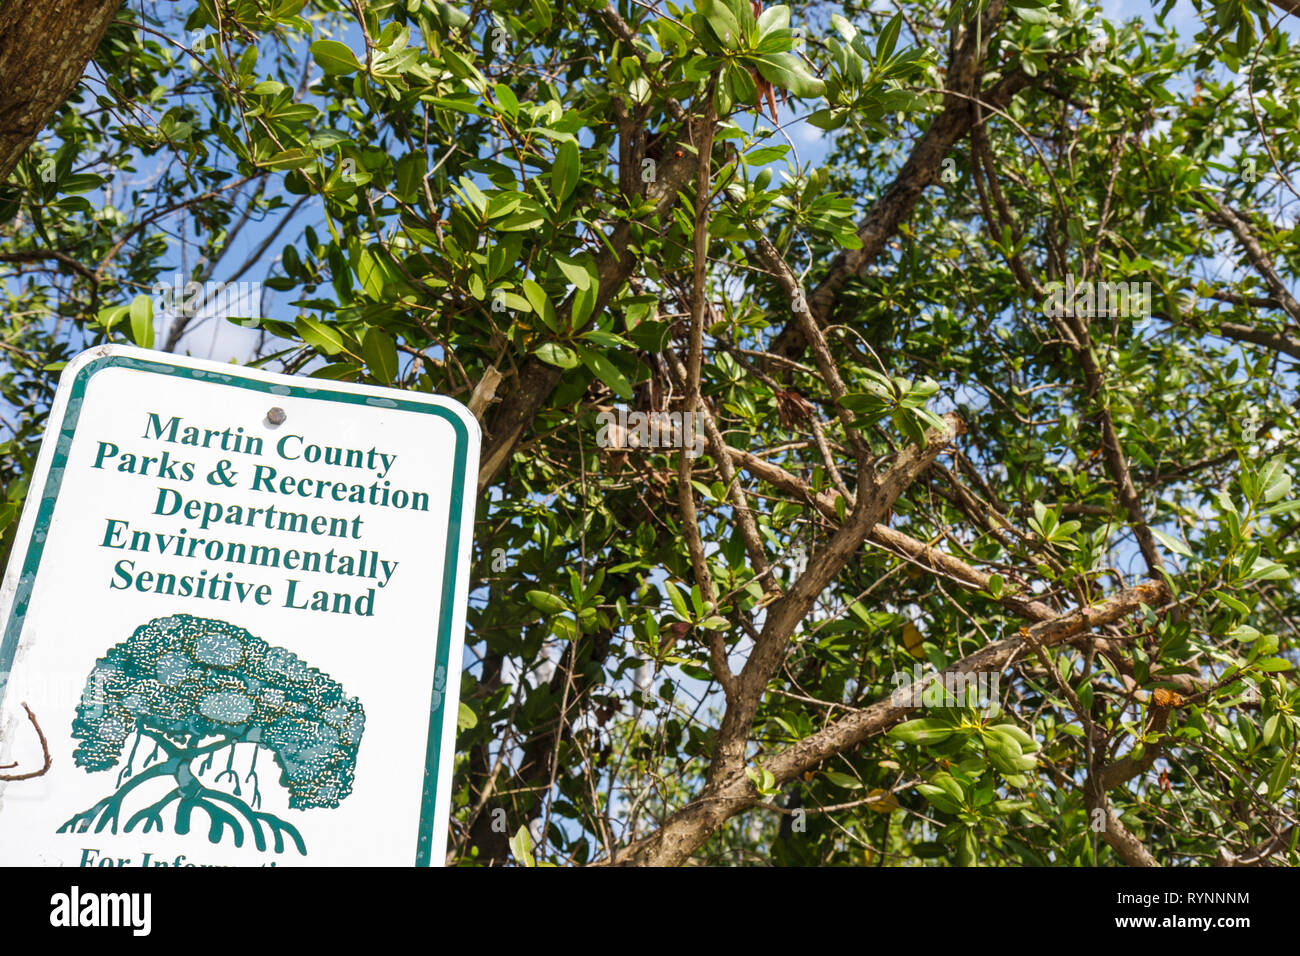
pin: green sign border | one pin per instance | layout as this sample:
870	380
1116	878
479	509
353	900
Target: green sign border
59	461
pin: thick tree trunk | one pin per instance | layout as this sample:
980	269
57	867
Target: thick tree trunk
44	47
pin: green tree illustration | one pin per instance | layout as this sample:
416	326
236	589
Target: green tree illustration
193	687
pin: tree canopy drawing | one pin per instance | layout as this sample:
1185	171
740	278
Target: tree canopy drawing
193	687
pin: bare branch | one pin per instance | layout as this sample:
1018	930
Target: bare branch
45	751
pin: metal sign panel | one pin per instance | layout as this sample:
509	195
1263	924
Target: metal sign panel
235	608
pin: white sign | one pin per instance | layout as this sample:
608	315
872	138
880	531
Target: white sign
235	607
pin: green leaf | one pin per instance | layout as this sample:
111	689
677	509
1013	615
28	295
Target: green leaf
540	303
335	57
723	99
764	155
449	16
678	601
565	170
740	84
380	352
506	99
938	797
788	72
112	315
1232	602
774	18
1283	507
842	26
1026	742
79	183
1269	735
1173	544
842	780
604	370
503	204
888	37
561	356
546	602
466	719
697	600
325	138
527	219
1244	633
371	273
319	335
584	304
1279	778
1265	570
1037	16
1005	753
722	20
968	847
291	159
142	321
1275	481
410	177
922	731
576	272
521	847
606	339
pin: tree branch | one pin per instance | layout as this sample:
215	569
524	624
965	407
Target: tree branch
1257	256
45	750
688	829
536	379
921	169
727	790
44	48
